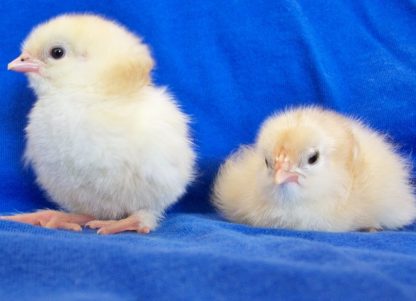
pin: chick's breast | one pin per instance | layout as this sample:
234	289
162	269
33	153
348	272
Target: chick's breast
114	158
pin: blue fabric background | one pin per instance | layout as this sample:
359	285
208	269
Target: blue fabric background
230	64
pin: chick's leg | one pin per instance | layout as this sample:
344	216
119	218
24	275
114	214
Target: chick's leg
142	221
52	219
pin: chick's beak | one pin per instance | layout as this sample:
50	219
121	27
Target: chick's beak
283	174
24	63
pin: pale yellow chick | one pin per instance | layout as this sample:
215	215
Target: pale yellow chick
105	143
313	169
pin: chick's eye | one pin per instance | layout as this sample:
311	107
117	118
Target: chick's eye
267	162
313	158
57	52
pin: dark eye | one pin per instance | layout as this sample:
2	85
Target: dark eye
313	158
267	162
57	52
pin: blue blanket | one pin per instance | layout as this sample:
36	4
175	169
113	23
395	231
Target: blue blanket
230	64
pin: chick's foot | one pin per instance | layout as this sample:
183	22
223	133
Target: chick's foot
142	222
52	219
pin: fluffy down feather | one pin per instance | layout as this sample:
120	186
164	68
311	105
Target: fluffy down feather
312	169
102	139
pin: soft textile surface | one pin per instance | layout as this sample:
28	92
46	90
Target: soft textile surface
230	64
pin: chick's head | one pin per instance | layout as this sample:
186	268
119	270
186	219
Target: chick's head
86	52
309	150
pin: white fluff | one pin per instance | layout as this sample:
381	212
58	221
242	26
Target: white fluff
359	181
102	139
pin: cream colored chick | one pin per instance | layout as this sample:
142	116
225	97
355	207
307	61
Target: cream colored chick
105	143
312	169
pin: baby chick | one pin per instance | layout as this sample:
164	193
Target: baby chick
312	169
105	143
